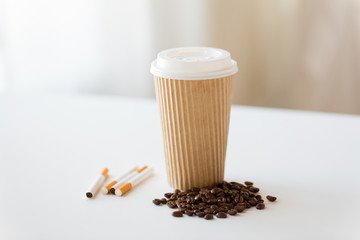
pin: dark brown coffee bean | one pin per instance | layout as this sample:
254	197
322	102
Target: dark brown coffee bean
254	189
221	215
260	206
232	211
252	202
198	197
209	195
195	189
171	204
209	210
191	194
271	198
204	191
215	190
181	194
177	214
240	208
208	216
163	200
212	201
200	214
189	213
190	200
156	201
248	183
168	195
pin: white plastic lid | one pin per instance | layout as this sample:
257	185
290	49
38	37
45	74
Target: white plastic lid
193	63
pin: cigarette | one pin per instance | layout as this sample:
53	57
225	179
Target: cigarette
120	178
120	191
99	180
127	178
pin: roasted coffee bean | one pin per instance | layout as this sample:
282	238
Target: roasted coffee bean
200	214
209	195
168	195
215	190
208	216
232	211
198	197
221	215
214	207
254	189
260	206
163	201
181	194
204	191
212	200
171	204
189	212
156	201
177	214
248	183
195	189
271	198
240	208
252	202
191	194
209	210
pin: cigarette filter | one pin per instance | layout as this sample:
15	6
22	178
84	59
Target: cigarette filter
120	178
127	178
120	191
99	180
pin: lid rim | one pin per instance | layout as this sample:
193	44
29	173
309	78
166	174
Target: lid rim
193	63
194	76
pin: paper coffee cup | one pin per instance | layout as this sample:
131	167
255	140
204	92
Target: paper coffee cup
193	90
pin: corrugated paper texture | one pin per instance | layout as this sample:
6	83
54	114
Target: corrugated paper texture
195	118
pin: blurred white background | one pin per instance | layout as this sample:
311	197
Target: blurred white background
291	53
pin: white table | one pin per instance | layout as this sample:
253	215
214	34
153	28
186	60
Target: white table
51	148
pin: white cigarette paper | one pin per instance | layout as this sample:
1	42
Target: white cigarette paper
121	178
120	191
99	180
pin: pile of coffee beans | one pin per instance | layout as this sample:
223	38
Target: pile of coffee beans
219	200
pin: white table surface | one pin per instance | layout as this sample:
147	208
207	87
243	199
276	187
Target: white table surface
51	148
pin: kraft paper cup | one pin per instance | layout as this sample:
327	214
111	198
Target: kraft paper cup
193	90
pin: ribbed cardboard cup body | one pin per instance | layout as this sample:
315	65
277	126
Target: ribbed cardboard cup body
195	118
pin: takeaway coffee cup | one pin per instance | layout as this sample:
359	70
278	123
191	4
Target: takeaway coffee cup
193	90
